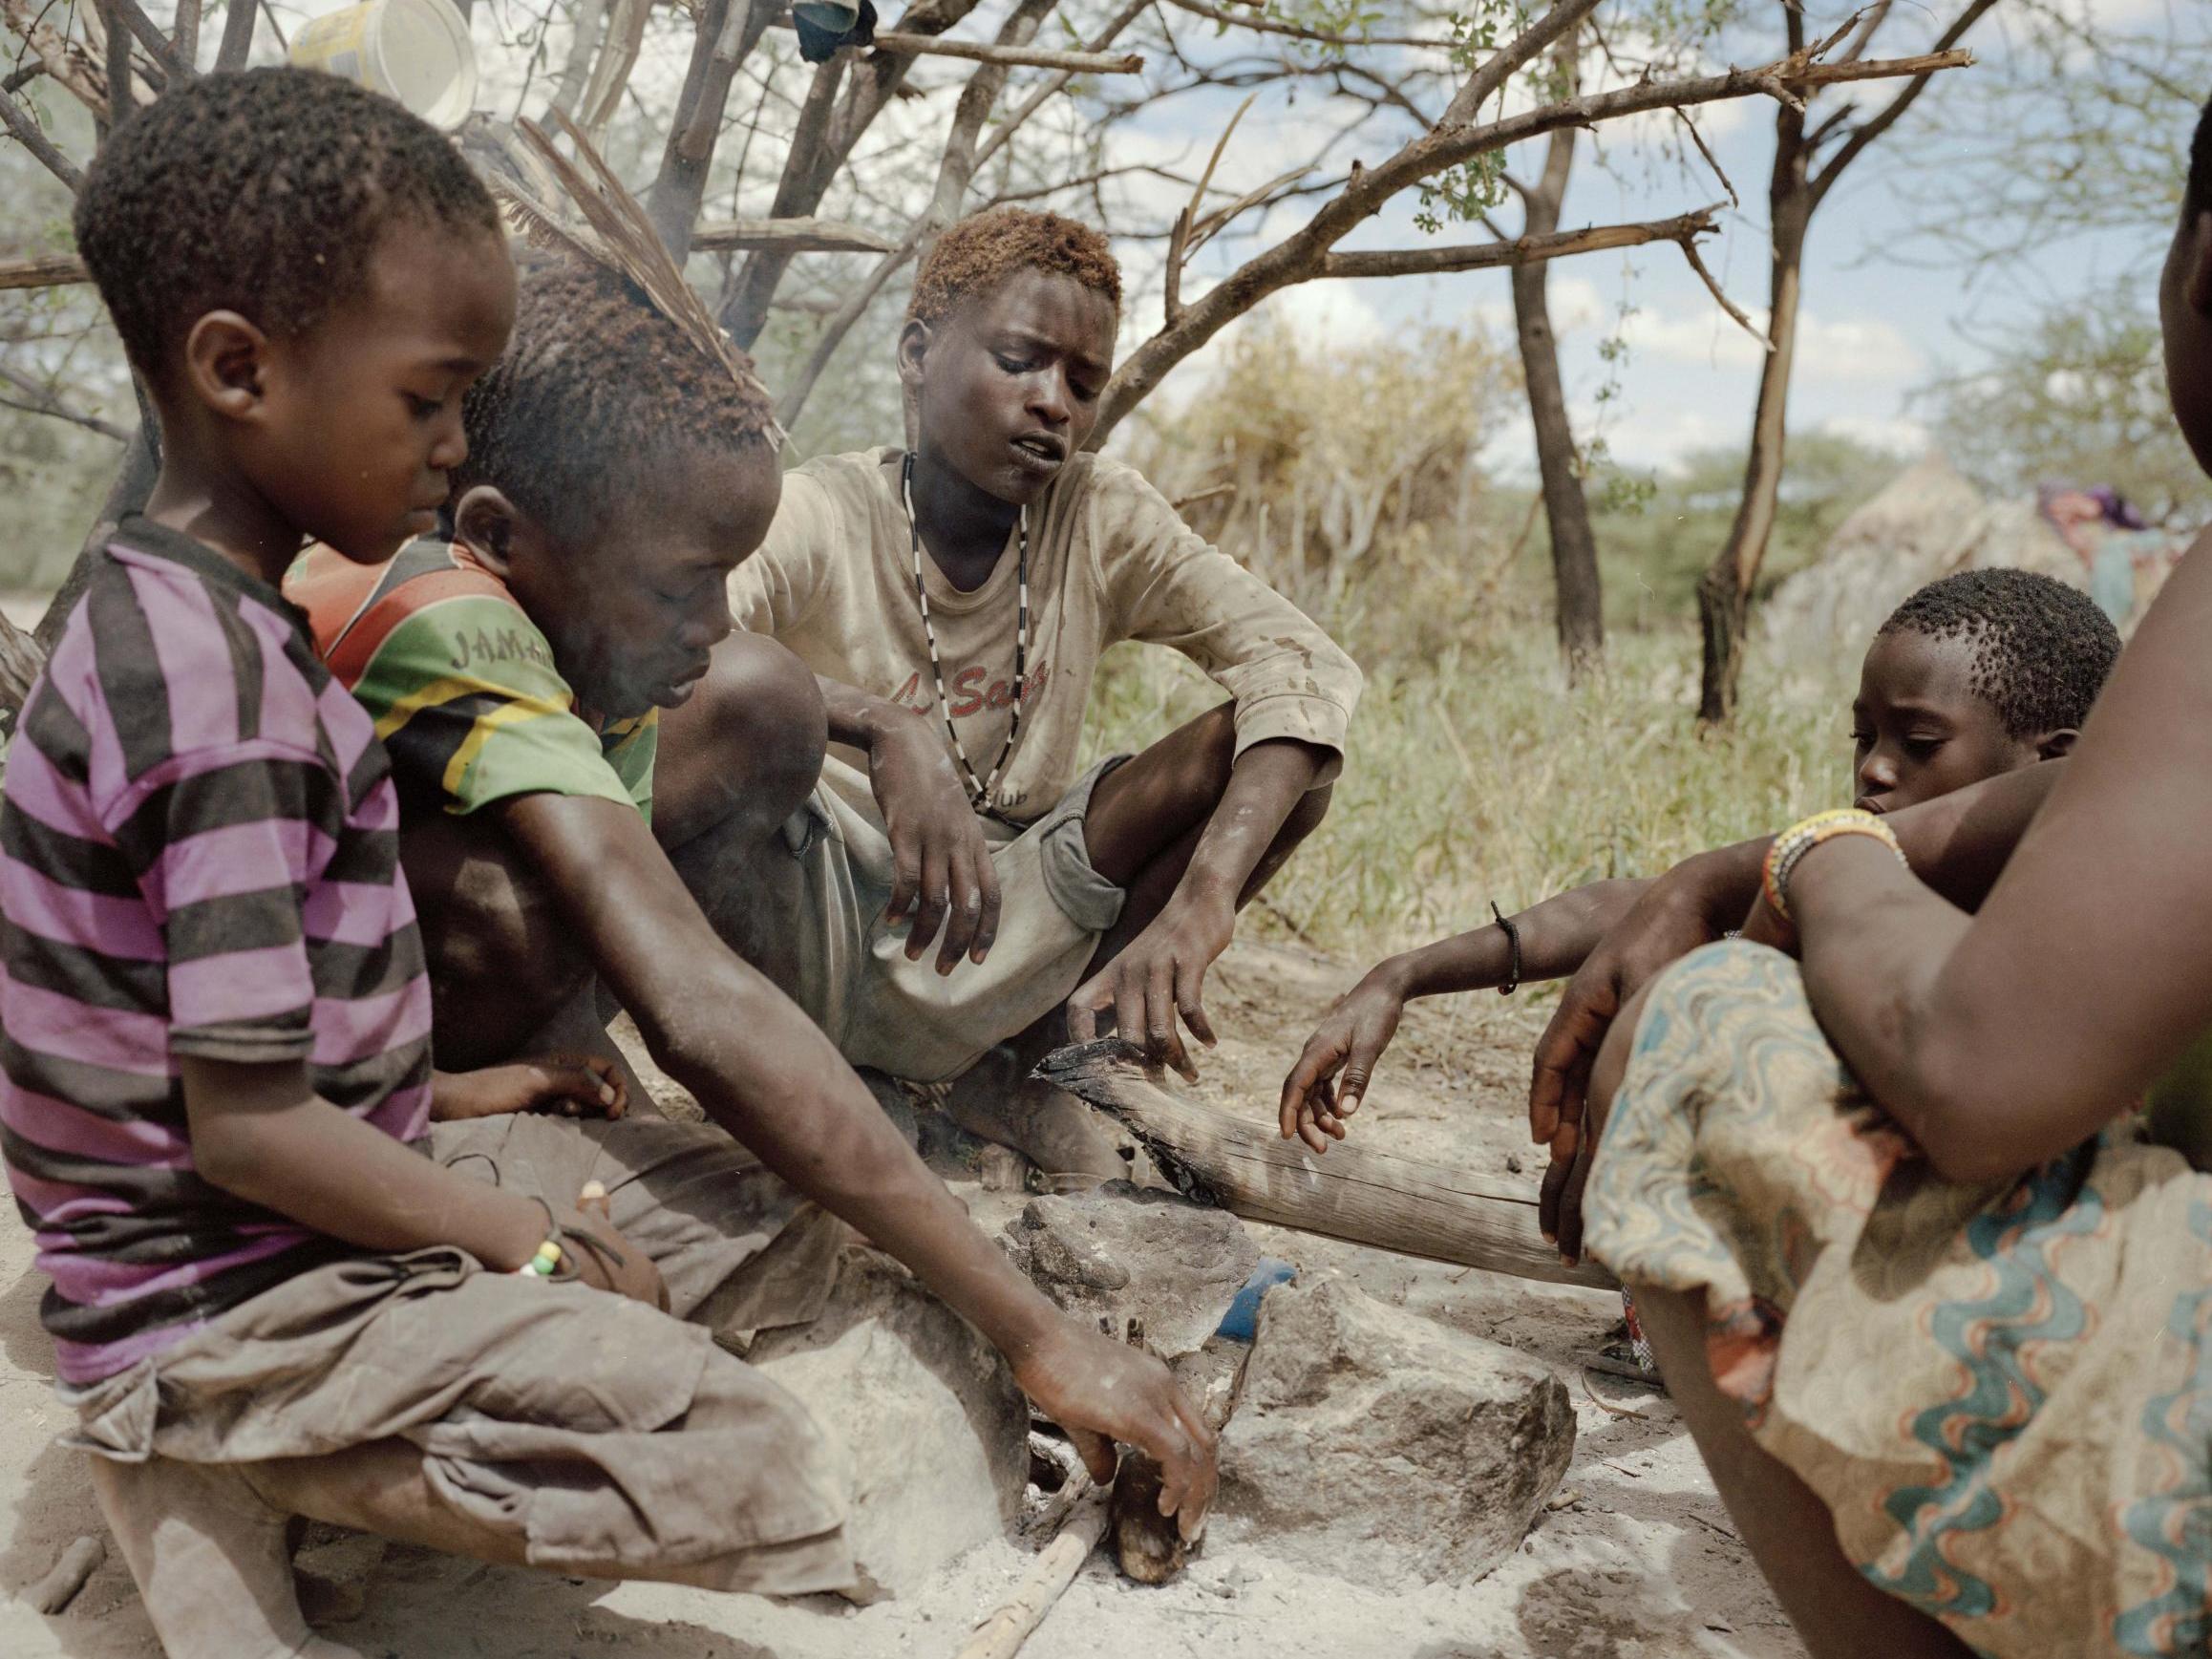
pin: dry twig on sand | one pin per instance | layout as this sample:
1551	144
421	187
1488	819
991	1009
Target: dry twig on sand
1001	1635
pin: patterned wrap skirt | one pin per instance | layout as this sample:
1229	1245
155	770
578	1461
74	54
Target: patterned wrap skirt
2002	1392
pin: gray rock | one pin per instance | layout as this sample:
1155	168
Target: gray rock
1382	1446
925	1414
1118	1252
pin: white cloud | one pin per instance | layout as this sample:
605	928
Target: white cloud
1830	349
1895	434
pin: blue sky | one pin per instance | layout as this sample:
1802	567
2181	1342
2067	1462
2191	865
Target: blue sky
1878	322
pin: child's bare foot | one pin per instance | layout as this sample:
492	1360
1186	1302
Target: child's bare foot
1061	1135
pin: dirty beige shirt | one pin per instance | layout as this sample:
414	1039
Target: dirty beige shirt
1109	560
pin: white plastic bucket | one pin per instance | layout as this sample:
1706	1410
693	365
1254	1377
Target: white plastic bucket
416	52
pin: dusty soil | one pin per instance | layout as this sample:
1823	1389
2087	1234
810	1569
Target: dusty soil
1636	1560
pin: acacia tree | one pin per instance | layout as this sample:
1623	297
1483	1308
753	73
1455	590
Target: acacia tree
111	57
1811	152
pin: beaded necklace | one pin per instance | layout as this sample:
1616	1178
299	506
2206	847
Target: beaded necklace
978	790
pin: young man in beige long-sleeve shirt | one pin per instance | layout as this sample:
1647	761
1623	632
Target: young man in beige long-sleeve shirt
952	603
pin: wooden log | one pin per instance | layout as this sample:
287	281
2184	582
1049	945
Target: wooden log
795	235
1355	1193
59	1587
51	271
1001	1635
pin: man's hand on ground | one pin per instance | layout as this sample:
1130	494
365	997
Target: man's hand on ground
940	862
1324	1088
1159	975
573	1085
1559	1205
1102	1391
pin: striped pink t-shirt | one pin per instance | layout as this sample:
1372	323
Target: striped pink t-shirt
199	855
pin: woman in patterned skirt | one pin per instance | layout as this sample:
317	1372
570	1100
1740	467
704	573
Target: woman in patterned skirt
1937	1305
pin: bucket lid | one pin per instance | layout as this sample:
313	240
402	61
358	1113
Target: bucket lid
424	56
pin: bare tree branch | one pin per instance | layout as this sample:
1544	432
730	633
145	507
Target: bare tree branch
782	236
1521	250
184	36
149	35
610	74
1510	60
1035	101
71	66
820	146
788	236
53	270
237	43
28	133
1741	317
728	30
1265	25
41	399
122	102
576	67
1298	257
1856	145
954	173
1035	57
1698	139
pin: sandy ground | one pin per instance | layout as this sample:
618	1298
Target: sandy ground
1636	1561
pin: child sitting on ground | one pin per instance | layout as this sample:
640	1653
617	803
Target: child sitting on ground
217	1061
518	664
954	600
1975	675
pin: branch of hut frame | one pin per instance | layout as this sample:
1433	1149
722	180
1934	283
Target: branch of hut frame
34	397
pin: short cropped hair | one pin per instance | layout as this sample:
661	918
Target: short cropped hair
2042	649
981	252
596	385
262	193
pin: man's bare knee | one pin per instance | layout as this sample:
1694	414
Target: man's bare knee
742	753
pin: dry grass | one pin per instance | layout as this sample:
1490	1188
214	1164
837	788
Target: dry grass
1476	773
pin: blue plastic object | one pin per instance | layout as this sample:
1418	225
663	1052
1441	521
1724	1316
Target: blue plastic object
1243	1319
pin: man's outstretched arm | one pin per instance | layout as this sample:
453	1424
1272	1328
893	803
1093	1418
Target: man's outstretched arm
1957	844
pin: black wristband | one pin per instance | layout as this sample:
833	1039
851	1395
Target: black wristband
1511	939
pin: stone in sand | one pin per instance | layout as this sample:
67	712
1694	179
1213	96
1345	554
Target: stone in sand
1122	1253
924	1413
1382	1446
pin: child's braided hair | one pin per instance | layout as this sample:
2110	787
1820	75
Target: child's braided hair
262	193
2042	649
595	386
984	249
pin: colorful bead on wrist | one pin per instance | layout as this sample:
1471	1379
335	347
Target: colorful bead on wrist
1792	845
544	1263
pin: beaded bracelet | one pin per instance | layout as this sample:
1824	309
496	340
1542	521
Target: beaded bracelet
544	1264
1801	837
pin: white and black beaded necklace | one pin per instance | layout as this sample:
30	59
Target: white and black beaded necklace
978	790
